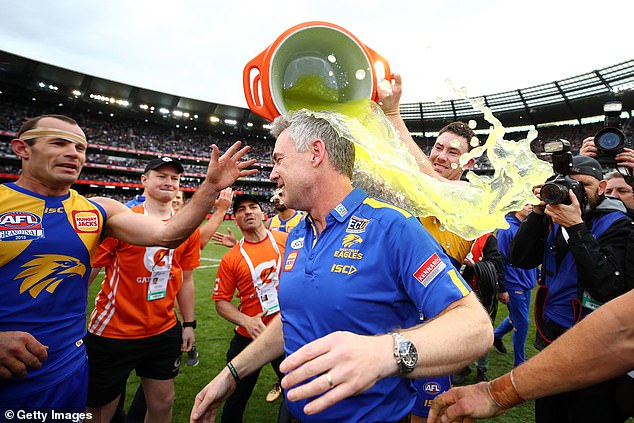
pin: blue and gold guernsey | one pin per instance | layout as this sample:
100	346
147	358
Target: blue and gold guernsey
277	224
373	269
45	249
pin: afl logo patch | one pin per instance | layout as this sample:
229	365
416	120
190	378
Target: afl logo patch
432	388
20	226
19	220
86	221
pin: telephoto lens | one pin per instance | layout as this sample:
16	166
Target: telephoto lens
610	140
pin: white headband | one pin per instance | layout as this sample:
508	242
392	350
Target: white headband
53	132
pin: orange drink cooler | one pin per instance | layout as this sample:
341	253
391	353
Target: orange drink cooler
329	62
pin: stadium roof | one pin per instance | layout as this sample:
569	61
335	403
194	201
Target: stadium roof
573	98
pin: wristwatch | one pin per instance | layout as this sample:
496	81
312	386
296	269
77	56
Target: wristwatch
191	324
405	353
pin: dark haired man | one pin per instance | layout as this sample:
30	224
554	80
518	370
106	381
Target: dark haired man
48	234
251	268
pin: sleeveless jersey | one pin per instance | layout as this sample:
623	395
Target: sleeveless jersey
277	224
45	249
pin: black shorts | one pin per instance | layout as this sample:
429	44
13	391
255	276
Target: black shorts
110	362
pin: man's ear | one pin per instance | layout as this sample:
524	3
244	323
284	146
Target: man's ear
20	148
143	178
318	151
603	184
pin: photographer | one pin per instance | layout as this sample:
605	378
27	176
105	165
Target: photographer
619	185
582	251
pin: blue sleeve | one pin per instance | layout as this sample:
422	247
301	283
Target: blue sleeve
426	272
505	236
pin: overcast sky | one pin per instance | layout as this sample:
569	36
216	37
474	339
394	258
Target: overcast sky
198	48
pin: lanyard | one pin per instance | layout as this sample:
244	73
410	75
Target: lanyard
170	253
254	277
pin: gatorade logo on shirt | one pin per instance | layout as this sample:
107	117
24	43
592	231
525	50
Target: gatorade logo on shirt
428	271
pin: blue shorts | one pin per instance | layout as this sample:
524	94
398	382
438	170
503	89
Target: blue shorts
426	391
67	399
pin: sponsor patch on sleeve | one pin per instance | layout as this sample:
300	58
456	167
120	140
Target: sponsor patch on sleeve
431	268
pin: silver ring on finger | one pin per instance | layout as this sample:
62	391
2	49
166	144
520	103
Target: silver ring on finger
331	384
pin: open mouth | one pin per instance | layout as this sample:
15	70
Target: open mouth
68	166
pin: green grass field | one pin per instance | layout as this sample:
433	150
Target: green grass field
214	333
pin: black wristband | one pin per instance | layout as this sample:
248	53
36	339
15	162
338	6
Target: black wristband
234	372
191	324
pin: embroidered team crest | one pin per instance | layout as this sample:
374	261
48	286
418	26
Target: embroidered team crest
46	271
86	221
351	239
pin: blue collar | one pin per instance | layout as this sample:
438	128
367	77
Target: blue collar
348	205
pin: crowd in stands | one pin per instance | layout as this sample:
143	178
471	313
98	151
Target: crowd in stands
105	132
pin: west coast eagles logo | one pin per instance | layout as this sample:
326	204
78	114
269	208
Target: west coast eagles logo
346	251
351	239
46	271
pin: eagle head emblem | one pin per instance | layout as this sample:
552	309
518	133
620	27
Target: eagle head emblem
46	271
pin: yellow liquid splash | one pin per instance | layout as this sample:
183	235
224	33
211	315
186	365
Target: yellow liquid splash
385	168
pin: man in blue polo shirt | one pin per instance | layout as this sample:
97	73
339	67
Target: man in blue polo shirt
356	276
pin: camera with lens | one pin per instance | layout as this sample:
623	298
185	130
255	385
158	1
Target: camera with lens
556	189
610	140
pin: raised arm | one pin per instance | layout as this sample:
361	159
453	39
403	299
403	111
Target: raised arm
602	345
389	100
221	206
139	229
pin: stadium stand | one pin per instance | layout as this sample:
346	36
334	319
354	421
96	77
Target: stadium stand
122	137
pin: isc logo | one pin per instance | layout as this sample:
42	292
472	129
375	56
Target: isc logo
347	269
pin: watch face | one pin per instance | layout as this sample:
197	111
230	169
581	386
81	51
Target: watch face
409	356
